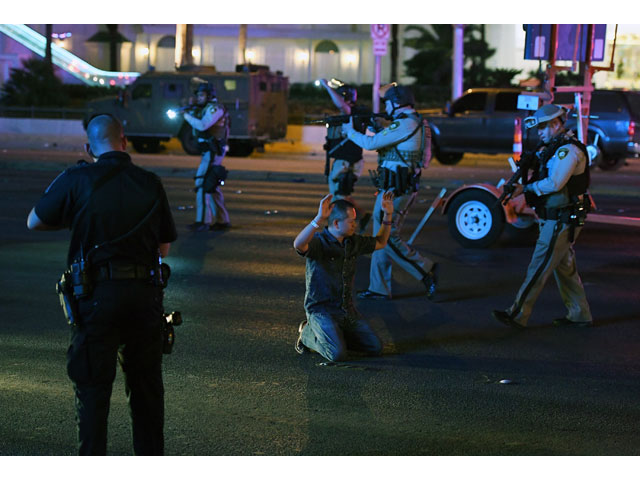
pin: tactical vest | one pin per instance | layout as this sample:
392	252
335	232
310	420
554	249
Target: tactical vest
411	158
219	130
348	151
577	184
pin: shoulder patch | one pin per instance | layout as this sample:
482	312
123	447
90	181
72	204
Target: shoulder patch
562	152
394	125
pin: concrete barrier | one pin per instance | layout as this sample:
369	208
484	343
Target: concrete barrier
69	134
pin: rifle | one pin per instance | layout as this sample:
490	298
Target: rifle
336	120
526	162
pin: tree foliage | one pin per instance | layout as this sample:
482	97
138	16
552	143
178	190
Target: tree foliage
431	65
33	85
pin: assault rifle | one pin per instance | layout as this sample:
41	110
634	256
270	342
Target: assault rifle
336	120
526	162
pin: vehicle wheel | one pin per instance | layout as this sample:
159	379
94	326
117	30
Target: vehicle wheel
188	141
476	220
240	148
146	145
449	158
611	162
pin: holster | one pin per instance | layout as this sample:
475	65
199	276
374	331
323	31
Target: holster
68	301
346	182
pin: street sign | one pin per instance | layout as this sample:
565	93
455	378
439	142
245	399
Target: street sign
380	33
379	47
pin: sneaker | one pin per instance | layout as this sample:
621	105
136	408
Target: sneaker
565	322
198	227
299	346
430	281
368	294
505	318
220	226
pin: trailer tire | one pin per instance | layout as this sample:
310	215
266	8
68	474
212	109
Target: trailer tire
475	218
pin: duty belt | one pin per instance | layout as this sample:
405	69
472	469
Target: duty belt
561	214
121	271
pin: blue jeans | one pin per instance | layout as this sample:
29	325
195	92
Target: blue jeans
332	335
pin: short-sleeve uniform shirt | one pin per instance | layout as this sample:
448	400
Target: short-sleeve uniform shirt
104	200
330	272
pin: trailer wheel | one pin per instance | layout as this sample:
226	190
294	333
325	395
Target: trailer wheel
475	219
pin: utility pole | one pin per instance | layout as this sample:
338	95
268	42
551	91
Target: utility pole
457	61
242	44
184	45
394	52
47	51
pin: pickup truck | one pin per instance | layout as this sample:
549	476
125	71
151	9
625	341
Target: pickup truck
482	120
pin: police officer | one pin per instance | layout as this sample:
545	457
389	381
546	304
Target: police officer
120	223
401	155
348	162
210	122
557	191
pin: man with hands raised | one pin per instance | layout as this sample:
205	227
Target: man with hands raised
333	325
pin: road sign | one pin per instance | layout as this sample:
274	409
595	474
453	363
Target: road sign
379	47
380	31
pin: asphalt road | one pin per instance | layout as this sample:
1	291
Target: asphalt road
235	386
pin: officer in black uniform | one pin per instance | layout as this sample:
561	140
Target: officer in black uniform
557	190
120	225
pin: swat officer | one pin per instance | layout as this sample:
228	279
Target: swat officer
210	122
348	162
557	190
120	224
403	150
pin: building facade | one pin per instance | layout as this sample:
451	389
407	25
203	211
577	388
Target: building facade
302	52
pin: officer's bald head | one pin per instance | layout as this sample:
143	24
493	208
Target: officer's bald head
105	134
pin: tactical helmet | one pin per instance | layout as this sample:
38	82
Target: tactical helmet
348	93
545	114
204	86
398	94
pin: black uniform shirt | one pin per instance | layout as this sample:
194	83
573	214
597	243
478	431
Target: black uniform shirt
104	200
330	272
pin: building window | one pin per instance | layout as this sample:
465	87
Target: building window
168	41
327	46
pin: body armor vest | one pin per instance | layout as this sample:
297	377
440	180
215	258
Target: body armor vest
219	130
411	158
577	184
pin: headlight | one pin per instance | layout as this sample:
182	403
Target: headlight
171	114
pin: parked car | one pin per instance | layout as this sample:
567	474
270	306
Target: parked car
255	98
482	120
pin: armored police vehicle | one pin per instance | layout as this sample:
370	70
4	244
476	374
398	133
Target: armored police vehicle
255	97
